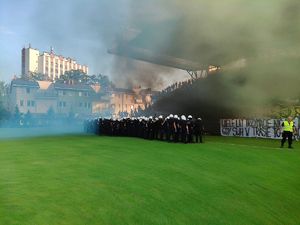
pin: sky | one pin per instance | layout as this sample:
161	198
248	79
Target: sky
83	30
24	22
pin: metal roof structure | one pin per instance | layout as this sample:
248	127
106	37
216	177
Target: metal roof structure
164	60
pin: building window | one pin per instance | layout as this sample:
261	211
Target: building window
86	94
89	105
64	93
80	104
28	103
28	90
85	105
32	103
21	102
79	93
62	104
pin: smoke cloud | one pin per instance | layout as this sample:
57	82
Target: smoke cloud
263	34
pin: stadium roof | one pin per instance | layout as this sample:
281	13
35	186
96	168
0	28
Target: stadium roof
152	44
149	56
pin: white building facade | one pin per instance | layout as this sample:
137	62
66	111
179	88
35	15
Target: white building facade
48	64
30	61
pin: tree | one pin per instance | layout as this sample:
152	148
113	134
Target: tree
2	89
28	118
77	76
39	76
102	80
74	75
3	93
17	115
4	113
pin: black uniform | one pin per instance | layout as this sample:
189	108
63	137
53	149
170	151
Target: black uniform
198	130
190	131
170	129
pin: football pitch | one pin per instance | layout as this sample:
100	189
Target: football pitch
89	180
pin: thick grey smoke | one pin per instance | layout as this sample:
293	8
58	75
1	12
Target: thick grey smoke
261	34
265	34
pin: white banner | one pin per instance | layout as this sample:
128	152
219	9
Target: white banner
262	128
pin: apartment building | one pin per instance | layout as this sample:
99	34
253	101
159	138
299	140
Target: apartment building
48	63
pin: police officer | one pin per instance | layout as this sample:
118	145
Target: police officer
288	129
170	128
176	129
198	130
161	128
183	130
190	129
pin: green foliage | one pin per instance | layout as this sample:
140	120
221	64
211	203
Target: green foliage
38	76
28	118
103	80
74	75
4	113
2	89
77	76
286	111
103	180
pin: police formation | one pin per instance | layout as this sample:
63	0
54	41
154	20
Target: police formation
171	129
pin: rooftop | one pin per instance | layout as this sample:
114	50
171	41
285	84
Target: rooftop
23	82
65	86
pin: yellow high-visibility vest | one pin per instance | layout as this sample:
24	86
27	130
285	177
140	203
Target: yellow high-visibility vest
288	126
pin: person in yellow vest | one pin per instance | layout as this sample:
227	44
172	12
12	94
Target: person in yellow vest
288	128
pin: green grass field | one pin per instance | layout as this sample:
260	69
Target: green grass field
89	180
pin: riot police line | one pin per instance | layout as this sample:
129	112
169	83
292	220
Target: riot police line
170	129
